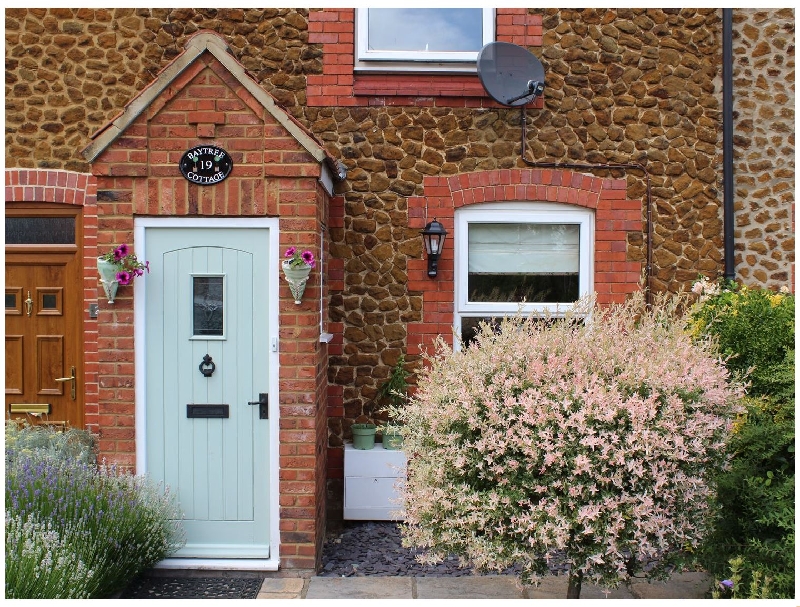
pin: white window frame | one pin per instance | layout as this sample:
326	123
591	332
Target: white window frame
520	212
416	61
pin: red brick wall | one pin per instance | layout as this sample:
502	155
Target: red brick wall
338	85
67	187
615	275
273	176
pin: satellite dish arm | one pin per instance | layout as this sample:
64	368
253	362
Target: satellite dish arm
535	88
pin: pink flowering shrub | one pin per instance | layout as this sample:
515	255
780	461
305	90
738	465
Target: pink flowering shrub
594	442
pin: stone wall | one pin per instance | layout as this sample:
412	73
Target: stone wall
69	71
623	85
764	132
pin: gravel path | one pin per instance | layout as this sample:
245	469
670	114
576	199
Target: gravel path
374	548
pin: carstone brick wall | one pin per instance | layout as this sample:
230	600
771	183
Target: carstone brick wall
764	132
69	71
622	85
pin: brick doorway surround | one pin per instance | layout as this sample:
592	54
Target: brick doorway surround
205	96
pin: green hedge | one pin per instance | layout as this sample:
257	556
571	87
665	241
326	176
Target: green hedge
755	497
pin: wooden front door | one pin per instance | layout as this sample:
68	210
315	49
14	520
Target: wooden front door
44	315
207	363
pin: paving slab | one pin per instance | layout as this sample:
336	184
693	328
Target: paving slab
361	588
688	585
555	587
282	588
473	587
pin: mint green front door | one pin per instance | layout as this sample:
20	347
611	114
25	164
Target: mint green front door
206	358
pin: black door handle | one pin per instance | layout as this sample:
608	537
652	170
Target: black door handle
263	405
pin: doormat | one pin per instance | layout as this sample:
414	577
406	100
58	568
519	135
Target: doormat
157	587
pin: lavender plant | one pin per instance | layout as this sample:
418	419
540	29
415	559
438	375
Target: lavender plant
43	563
23	438
71	514
592	442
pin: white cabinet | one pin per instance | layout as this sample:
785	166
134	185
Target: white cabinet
371	479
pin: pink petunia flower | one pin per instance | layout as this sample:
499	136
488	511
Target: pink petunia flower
121	252
308	258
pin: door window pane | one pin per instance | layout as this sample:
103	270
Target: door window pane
515	262
40	230
11	300
49	301
208	306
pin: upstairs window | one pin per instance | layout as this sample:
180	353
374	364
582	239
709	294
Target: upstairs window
421	39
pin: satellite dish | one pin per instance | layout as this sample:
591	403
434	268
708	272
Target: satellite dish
511	75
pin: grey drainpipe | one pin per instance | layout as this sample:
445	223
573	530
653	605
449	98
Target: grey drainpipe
727	141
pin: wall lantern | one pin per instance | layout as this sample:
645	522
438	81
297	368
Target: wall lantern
434	235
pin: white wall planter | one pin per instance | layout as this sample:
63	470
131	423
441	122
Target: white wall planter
371	479
297	277
108	277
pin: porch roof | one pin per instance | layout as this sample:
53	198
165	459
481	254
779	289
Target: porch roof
215	44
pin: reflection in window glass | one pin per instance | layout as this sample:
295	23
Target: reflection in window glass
40	230
471	325
207	299
425	29
531	262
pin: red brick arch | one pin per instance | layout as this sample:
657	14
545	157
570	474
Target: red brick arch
78	189
615	275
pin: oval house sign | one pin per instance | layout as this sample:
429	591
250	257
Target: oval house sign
206	164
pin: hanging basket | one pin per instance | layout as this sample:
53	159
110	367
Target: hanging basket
297	277
108	277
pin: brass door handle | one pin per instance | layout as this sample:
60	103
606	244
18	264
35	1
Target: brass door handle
70	378
29	304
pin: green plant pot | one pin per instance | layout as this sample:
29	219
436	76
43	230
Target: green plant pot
363	436
392	440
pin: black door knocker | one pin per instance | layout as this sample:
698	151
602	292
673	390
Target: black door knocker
207	366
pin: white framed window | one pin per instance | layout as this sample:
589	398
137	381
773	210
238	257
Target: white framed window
422	39
522	256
